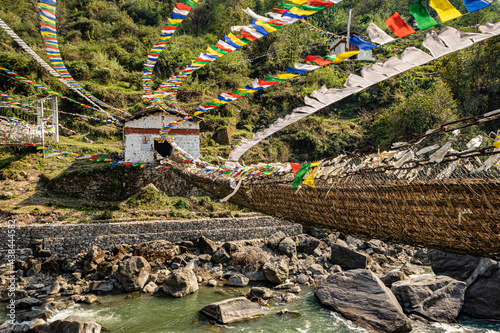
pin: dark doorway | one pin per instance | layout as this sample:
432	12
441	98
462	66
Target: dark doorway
163	148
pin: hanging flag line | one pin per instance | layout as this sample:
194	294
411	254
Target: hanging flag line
258	28
19	122
447	41
55	152
50	91
260	84
47	12
181	10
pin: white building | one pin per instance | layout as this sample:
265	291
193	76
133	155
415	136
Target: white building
339	45
140	131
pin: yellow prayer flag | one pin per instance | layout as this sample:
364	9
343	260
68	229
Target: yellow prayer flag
286	76
143	165
212	51
309	181
215	100
298	2
235	40
174	21
496	144
266	26
445	10
343	56
297	11
197	113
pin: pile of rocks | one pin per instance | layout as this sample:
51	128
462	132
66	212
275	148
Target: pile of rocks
378	285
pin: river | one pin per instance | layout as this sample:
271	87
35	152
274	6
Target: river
142	313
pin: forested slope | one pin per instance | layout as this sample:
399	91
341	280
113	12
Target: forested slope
104	44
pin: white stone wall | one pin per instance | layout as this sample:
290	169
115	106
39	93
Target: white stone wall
136	151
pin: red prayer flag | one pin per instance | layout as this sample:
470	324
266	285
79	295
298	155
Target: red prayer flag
320	3
248	36
398	26
93	158
317	60
281	11
183	7
267	83
295	167
128	164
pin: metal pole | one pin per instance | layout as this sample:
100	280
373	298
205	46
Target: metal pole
39	121
55	118
349	30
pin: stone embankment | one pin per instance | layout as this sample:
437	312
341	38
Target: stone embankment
70	239
378	286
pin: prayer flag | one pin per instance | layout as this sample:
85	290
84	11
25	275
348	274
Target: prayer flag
398	26
445	10
421	15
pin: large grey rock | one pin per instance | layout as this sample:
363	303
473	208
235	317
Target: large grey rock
238	280
275	239
161	250
452	265
220	256
359	295
92	259
485	267
181	282
206	245
71	324
391	277
276	269
27	302
233	310
347	258
133	273
308	244
260	292
435	298
482	298
288	247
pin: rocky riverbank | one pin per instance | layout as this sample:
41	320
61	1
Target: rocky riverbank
379	286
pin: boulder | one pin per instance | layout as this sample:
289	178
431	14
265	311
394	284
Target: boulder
51	264
27	302
275	239
391	277
181	282
160	250
206	246
288	247
231	247
308	244
260	292
71	324
302	278
482	298
359	295
92	259
452	265
150	288
220	256
347	258
276	269
435	298
133	273
233	310
238	280
316	269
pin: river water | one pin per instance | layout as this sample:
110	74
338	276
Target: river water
142	313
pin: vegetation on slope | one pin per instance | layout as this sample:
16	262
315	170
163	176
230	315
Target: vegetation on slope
104	44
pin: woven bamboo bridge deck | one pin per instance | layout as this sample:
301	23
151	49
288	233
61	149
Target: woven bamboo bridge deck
454	215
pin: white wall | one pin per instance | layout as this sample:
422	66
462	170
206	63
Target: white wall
135	150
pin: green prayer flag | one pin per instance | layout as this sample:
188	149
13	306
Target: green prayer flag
189	3
300	174
421	15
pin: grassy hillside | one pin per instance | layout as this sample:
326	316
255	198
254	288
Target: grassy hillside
104	44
